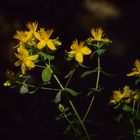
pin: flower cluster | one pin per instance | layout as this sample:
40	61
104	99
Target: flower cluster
78	50
125	95
31	43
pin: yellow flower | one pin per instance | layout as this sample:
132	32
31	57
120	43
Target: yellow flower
126	92
32	26
25	60
44	38
119	95
78	50
98	35
21	36
136	69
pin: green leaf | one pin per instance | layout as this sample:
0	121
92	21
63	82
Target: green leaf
71	91
127	108
94	91
58	97
69	58
48	56
82	65
46	74
94	52
24	89
55	69
33	91
70	73
117	106
108	74
86	73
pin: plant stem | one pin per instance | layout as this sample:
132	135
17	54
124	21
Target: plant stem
80	120
133	126
44	88
73	107
70	123
133	107
97	84
40	66
138	106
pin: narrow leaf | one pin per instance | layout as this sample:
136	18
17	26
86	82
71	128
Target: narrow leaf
48	56
58	97
82	65
71	91
70	73
117	106
108	74
55	69
86	73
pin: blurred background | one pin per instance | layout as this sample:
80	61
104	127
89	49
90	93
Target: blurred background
32	116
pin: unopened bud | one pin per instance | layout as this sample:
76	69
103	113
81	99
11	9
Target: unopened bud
7	84
61	108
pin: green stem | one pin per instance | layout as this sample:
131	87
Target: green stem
133	126
97	84
138	106
44	88
80	120
73	107
70	122
133	107
40	66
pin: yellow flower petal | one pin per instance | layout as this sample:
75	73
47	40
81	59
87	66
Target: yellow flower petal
29	35
50	45
33	57
72	52
90	39
137	64
32	26
133	73
74	45
23	68
37	35
41	44
49	33
30	64
79	57
85	50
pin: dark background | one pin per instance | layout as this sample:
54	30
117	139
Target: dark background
32	116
